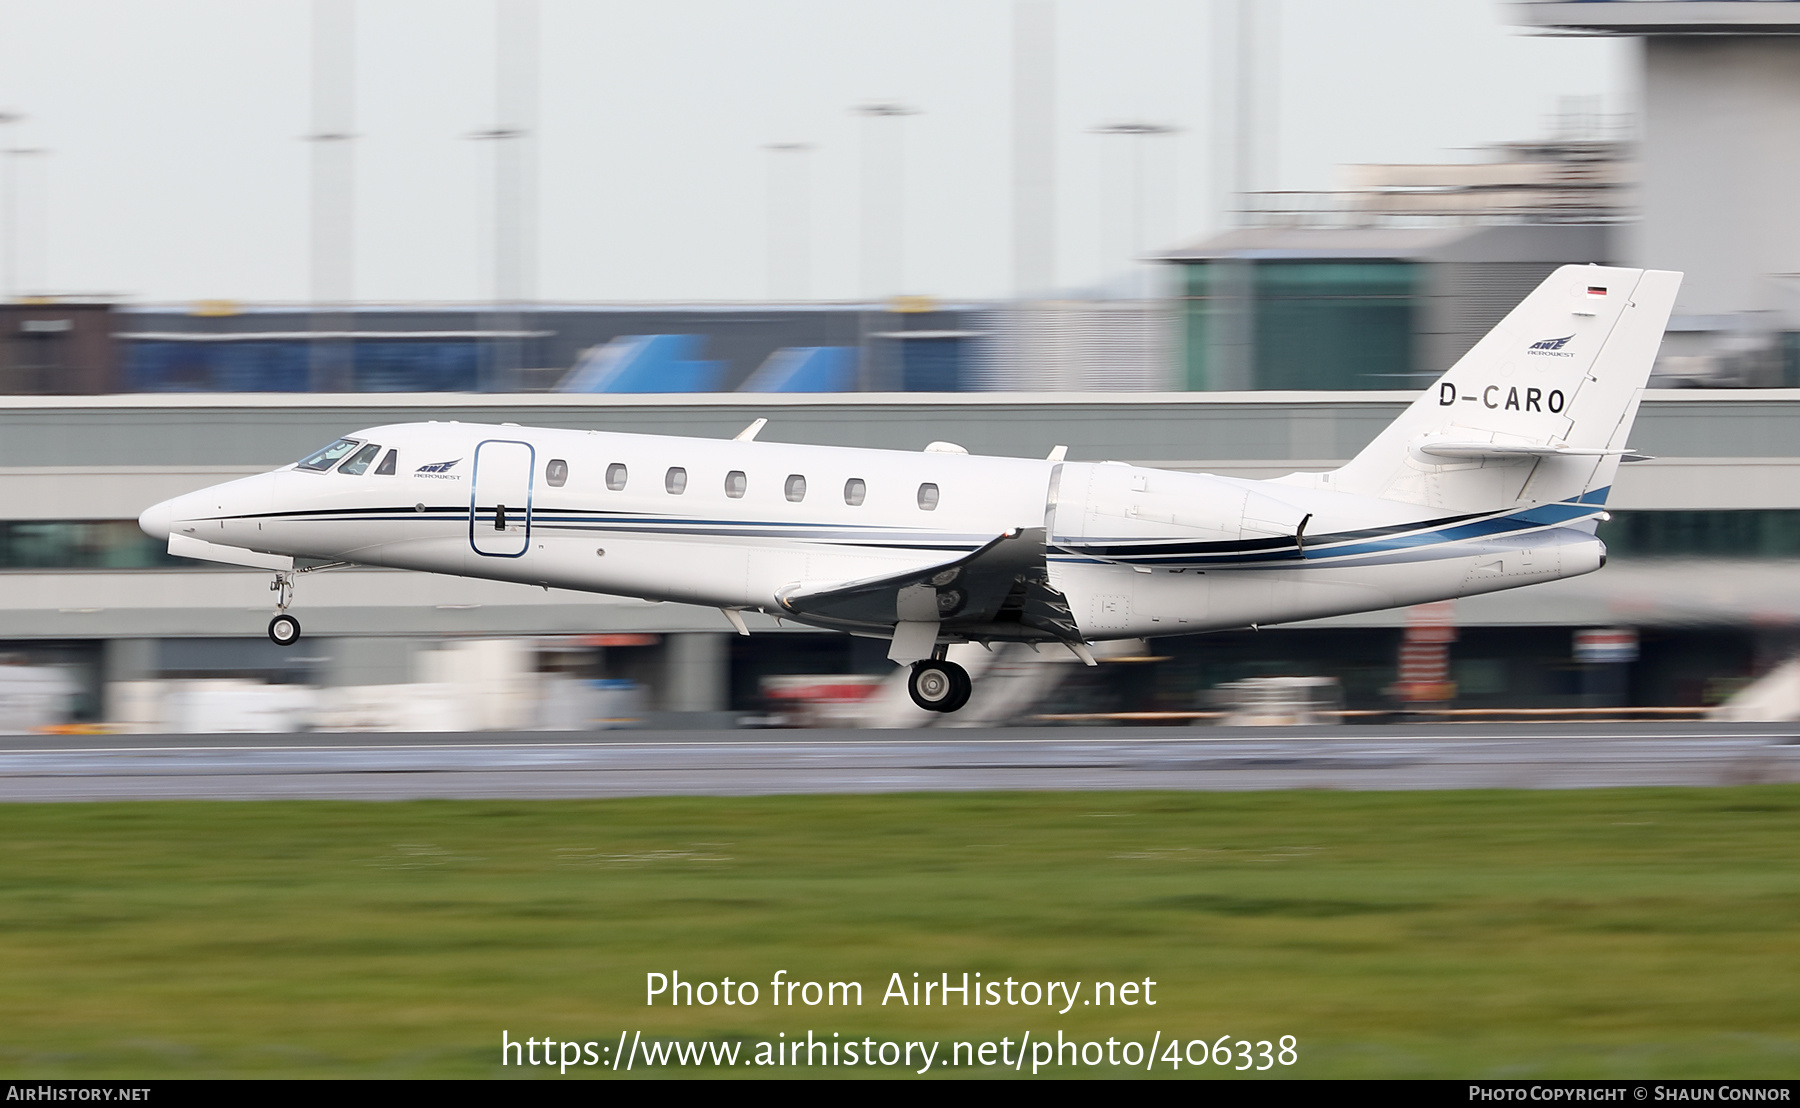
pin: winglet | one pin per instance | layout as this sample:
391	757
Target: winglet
747	435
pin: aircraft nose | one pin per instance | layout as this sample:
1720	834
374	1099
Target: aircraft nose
158	520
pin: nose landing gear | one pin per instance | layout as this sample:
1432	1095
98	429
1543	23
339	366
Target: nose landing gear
939	686
284	630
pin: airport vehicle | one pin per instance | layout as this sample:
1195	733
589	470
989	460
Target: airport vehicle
1495	477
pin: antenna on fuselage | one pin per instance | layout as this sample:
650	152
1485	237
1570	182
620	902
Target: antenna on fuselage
749	433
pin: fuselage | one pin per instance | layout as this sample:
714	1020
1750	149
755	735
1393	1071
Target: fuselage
735	524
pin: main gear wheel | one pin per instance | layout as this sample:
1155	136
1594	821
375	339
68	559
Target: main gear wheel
939	686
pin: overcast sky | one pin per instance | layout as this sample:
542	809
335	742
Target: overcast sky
177	171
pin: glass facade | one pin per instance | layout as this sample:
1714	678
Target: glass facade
83	544
931	365
1720	533
1278	324
285	365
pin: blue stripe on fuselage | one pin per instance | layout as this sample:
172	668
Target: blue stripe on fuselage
1337	548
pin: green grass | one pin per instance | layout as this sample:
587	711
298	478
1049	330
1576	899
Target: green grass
1643	933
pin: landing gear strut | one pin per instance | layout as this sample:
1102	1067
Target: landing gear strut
939	686
284	630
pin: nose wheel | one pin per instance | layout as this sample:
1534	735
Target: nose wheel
284	630
939	686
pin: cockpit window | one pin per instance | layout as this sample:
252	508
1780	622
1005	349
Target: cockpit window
386	468
328	457
359	462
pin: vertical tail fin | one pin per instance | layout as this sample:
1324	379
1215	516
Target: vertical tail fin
1535	412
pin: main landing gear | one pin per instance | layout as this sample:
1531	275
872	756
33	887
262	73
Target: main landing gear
937	685
284	630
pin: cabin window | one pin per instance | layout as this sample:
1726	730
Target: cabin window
928	497
855	491
359	461
328	457
388	464
615	477
675	481
556	474
795	488
735	484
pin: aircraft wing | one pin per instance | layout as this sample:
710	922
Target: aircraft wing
1001	590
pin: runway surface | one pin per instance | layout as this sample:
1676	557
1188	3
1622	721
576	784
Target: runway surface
733	763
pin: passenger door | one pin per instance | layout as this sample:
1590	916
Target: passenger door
500	501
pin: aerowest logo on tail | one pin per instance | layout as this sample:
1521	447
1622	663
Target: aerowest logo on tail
439	470
1552	348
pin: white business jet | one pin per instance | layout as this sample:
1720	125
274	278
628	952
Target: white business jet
1495	477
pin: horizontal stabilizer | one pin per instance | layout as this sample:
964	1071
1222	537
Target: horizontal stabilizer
1462	451
186	546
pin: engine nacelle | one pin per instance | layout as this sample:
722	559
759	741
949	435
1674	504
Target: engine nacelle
1108	502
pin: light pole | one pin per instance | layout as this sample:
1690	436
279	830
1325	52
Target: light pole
18	267
1034	147
514	183
883	238
1138	133
884	197
790	223
9	209
333	359
1246	57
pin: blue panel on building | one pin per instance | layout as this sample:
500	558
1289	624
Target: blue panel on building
806	369
645	363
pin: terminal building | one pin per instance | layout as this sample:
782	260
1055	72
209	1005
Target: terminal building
1720	103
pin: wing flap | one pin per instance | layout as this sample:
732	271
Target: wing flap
1005	582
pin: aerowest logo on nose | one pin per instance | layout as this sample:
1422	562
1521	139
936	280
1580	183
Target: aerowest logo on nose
1552	348
439	470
